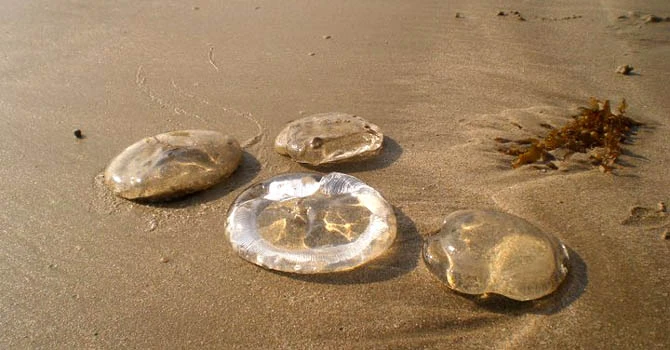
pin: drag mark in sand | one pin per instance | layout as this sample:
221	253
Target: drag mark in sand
650	219
141	82
211	58
246	115
257	139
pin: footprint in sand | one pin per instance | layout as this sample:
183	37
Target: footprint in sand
650	218
643	30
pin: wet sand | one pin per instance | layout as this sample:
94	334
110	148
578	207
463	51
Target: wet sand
82	269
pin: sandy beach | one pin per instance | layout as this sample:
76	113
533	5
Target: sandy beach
83	269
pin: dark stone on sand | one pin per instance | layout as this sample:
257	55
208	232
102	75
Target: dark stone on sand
652	19
624	69
77	133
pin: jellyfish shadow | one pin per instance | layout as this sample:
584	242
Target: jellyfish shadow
248	170
401	258
570	290
390	152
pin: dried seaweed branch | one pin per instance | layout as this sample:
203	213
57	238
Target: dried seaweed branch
595	129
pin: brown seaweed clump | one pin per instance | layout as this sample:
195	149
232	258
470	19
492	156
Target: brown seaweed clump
596	130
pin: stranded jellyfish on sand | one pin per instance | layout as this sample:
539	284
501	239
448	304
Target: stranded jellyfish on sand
169	165
329	138
478	252
309	223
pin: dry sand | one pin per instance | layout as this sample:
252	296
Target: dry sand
81	269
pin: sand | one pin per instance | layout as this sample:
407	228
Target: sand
82	269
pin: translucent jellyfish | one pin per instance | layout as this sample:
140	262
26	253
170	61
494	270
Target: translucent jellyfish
309	223
169	165
478	252
329	138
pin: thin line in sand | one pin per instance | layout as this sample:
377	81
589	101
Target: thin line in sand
211	58
246	115
140	81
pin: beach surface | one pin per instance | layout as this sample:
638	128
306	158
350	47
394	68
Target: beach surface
83	269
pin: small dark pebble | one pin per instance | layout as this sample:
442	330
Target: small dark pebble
326	37
666	235
312	53
196	8
77	133
458	15
501	13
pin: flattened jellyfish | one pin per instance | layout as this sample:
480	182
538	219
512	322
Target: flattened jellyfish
479	251
169	165
309	223
329	138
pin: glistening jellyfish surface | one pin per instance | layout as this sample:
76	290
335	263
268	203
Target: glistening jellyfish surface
308	223
329	138
172	164
479	251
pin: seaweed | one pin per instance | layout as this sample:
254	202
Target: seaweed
595	130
